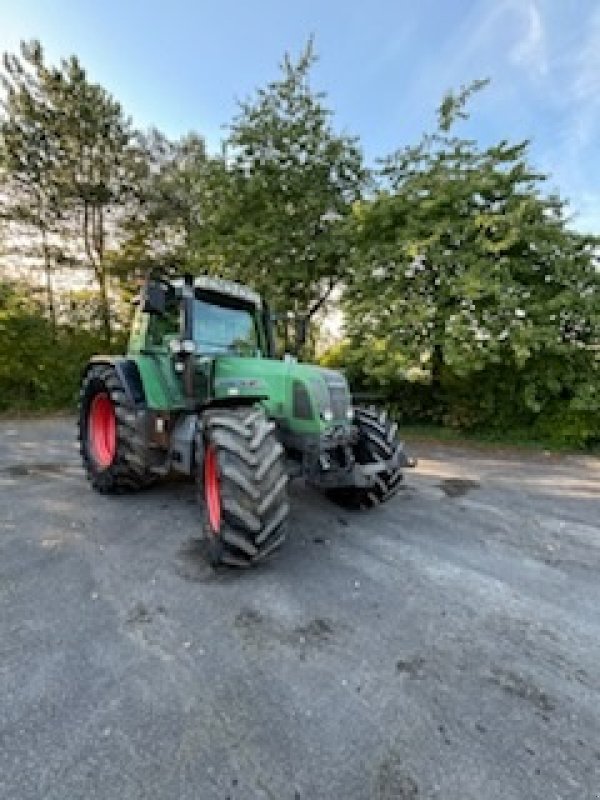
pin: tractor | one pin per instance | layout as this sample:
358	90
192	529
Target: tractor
201	392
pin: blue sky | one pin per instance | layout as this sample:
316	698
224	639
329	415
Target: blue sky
180	65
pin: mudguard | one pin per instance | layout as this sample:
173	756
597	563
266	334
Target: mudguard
129	375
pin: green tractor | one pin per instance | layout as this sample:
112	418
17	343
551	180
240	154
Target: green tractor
201	393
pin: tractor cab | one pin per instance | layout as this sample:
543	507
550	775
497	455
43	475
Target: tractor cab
217	316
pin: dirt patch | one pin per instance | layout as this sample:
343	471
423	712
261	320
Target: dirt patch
139	614
393	782
519	686
192	563
458	487
260	630
318	630
413	667
34	470
248	618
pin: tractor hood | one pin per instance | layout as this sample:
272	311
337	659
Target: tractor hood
306	396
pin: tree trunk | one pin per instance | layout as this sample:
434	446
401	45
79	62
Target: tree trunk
286	338
49	288
91	242
104	272
437	363
104	306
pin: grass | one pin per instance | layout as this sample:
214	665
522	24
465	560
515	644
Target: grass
518	439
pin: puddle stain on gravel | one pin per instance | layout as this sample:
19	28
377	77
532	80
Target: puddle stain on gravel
393	782
413	667
139	614
317	630
248	618
458	487
35	470
258	630
192	563
518	686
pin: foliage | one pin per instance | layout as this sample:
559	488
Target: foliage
157	232
289	182
100	165
68	153
468	278
27	160
469	300
38	372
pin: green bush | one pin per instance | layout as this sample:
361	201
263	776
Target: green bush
551	398
40	369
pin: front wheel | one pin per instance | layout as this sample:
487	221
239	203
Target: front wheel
377	441
242	483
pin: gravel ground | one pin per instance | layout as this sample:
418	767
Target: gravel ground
446	645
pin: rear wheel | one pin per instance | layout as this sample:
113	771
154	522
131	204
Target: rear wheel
112	451
242	486
377	441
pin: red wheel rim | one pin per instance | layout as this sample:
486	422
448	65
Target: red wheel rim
102	430
212	489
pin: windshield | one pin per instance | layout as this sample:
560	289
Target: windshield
219	329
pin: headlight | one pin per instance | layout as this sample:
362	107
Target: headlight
350	413
327	414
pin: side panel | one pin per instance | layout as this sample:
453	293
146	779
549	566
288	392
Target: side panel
161	386
236	377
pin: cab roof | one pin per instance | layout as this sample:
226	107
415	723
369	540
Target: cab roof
224	287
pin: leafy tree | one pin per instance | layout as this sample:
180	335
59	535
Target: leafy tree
465	264
28	157
158	230
68	154
279	194
100	167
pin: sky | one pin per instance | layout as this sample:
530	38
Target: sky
384	65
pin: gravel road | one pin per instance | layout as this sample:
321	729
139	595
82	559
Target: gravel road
446	645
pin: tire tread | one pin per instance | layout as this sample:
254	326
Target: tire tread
253	483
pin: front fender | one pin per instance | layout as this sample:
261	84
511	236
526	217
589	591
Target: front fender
129	375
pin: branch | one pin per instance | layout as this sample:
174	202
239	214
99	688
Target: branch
322	300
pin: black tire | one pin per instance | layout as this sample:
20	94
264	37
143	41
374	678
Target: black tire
241	447
377	441
124	469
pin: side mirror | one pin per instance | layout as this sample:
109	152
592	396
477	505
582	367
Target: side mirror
153	299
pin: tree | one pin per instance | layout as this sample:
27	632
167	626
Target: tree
158	230
69	155
100	166
279	195
28	156
464	264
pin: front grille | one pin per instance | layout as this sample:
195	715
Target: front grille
339	401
